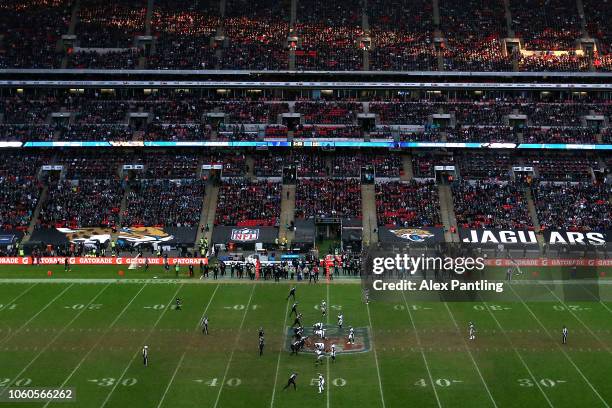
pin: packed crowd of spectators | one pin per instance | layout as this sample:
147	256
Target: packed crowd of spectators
177	132
473	30
31	30
104	24
19	189
102	132
257	33
551	63
123	59
329	35
404	113
408	204
325	198
546	25
402	35
328	112
82	203
580	206
483	166
22	132
488	134
328	132
184	35
560	135
490	204
168	203
563	168
248	203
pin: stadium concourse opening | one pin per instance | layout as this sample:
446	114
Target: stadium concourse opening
378	203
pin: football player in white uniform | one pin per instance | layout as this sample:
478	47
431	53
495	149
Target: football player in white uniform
321	383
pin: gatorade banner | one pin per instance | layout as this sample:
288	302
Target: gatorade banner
59	260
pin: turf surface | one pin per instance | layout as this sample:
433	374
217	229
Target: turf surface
88	336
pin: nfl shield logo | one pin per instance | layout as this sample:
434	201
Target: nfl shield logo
245	234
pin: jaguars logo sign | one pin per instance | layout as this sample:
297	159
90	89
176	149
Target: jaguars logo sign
412	234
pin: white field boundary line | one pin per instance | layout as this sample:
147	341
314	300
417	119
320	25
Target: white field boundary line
229	362
567	356
327	313
282	346
10	302
578	319
102	336
161	401
536	382
380	387
418	339
129	364
49	343
35	316
351	281
467	348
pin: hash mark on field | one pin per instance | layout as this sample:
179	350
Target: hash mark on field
4	341
108	396
58	335
91	349
246	310
471	356
586	380
418	339
161	401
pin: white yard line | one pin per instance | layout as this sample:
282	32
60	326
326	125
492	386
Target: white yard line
235	345
586	380
49	343
78	366
536	382
470	354
129	364
180	363
596	298
282	346
418	339
10	302
35	316
579	319
382	397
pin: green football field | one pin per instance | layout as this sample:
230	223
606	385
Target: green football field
87	335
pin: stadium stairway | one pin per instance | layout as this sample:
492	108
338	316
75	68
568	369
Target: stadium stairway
368	209
41	200
532	209
287	214
407	173
447	212
208	212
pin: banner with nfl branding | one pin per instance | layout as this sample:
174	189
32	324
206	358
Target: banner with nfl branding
411	235
244	235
